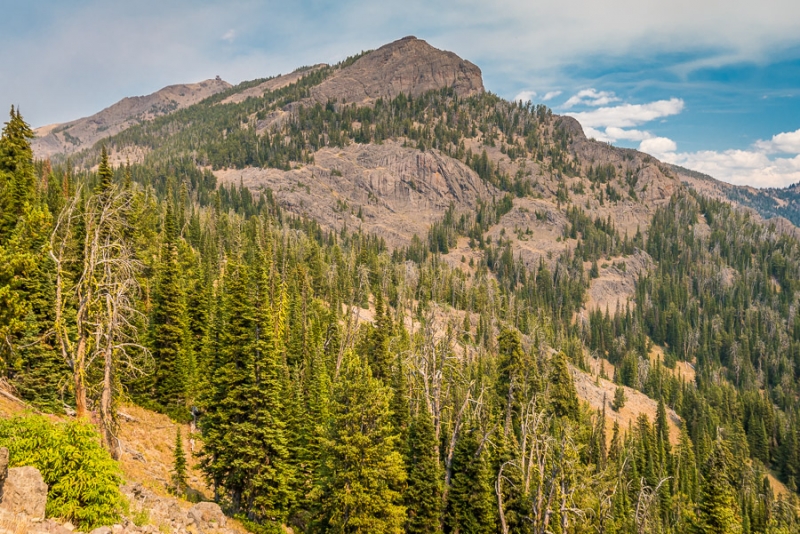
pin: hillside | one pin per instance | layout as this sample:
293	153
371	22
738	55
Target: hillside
397	302
77	135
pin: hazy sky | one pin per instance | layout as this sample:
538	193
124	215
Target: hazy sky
709	84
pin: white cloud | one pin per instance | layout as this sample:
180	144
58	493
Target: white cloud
786	142
659	147
630	135
752	167
590	97
628	115
525	96
741	167
550	95
229	36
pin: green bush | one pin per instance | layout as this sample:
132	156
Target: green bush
82	478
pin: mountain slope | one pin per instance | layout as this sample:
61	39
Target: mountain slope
80	134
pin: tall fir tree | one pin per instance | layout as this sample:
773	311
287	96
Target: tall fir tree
361	468
26	290
178	463
169	327
718	511
423	497
245	452
563	396
471	506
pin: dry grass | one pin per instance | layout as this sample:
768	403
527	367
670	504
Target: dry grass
595	391
683	370
11	524
148	442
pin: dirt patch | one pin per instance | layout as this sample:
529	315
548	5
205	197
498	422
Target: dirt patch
148	442
595	391
682	370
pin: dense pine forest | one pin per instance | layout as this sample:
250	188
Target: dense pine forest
342	386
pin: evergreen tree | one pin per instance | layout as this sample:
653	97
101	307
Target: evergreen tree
105	173
361	467
619	399
179	463
26	289
245	450
169	328
423	497
563	396
718	509
17	177
471	503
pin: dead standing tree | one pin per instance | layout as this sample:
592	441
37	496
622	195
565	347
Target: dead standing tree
95	286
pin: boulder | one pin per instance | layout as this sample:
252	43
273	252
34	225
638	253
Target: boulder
207	515
24	492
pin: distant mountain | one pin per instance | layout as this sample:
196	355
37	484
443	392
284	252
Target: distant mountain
77	135
779	205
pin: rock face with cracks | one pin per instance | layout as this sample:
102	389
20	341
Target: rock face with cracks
410	66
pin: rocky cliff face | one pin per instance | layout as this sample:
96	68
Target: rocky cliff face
409	65
398	191
79	134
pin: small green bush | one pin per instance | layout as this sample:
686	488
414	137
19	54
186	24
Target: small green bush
82	478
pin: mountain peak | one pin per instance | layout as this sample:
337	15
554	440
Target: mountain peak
408	65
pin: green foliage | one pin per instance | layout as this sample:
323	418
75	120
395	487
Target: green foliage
563	397
471	505
178	463
361	473
83	481
619	399
423	498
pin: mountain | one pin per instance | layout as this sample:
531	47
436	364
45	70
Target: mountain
77	135
780	205
392	301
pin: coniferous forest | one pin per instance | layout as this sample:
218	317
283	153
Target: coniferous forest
343	386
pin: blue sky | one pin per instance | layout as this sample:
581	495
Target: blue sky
709	84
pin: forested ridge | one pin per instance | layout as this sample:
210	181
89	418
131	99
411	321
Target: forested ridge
343	386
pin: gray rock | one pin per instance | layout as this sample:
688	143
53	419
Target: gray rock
101	530
25	492
207	514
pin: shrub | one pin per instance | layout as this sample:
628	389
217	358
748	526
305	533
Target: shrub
82	478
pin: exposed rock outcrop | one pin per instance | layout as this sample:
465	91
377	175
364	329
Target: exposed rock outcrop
409	65
24	492
398	191
165	513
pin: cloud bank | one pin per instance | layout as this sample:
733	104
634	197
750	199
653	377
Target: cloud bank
766	163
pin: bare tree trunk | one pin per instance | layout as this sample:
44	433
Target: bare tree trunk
498	488
106	406
79	373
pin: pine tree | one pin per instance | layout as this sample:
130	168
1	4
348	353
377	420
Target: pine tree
424	494
471	502
17	176
361	467
26	289
246	451
105	173
169	328
619	399
563	396
718	509
179	463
